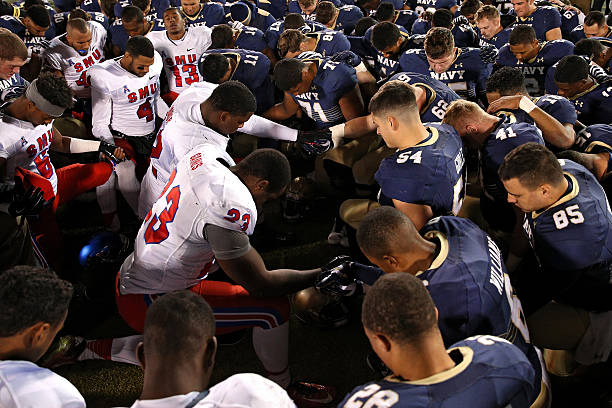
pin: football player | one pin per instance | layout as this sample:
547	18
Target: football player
182	369
60	19
198	14
180	49
403	18
400	321
245	37
153	9
132	24
291	21
34	303
533	58
27	134
327	43
554	115
598	50
13	55
488	21
545	20
71	55
382	46
325	90
589	96
341	19
249	14
421	6
563	204
33	26
249	67
126	99
463	33
464	70
370	6
594	26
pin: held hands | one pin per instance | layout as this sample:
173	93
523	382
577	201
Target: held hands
28	202
336	278
314	143
112	152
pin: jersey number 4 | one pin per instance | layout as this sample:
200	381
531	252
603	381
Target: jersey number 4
145	111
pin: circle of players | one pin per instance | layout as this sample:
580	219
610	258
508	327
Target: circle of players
394	102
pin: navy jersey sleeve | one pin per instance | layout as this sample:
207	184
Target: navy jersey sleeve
414	61
91	6
272	34
118	35
341	80
420	27
251	38
213	14
294	7
552	18
559	108
447	4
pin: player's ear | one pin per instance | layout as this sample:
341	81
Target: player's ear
37	334
391	261
393	122
210	353
262	184
382	341
140	354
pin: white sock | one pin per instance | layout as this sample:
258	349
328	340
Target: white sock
105	193
272	348
128	183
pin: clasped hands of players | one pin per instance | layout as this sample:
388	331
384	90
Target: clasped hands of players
313	143
337	277
111	152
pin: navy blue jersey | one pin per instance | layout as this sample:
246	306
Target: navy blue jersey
348	16
34	43
273	33
467	75
119	37
569	21
542	20
60	20
157	8
277	8
251	69
504	6
500	39
250	38
431	173
503	139
556	106
91	6
420	26
594	105
437	94
405	18
381	65
14	81
536	70
419	6
595	139
329	42
572	240
257	17
489	373
463	34
332	81
210	15
294	7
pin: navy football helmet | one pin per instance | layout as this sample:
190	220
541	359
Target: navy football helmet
104	247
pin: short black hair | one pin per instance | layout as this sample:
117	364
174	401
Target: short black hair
213	67
267	164
595	17
178	324
571	69
325	11
469	7
288	73
78	24
29	3
384	35
132	13
533	165
140	45
381	230
522	34
385	12
362	25
442	18
29	295
392	97
39	15
55	90
233	97
222	37
293	20
507	81
79	13
399	306
589	47
141	4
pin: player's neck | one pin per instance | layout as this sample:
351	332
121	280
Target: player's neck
427	358
12	348
17	109
488	124
177	36
415	133
163	380
558	191
532	9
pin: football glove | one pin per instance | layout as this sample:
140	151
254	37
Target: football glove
348	57
28	202
335	278
461	20
109	150
314	142
488	53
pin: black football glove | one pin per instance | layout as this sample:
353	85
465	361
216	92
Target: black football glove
348	57
109	150
313	143
335	278
488	53
28	202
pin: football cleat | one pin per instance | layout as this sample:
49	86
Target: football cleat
297	199
338	235
309	395
65	350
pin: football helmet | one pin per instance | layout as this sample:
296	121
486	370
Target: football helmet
104	247
297	199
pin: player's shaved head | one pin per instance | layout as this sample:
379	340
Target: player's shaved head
77	24
267	164
177	327
233	97
399	306
533	165
386	231
384	35
132	13
140	46
507	81
222	37
395	98
461	112
214	68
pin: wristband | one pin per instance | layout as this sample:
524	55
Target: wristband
526	104
83	146
337	133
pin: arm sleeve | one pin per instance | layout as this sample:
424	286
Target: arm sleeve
226	244
102	105
262	127
161	106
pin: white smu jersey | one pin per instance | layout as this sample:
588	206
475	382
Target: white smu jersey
124	101
171	251
181	57
27	146
73	65
244	390
25	385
